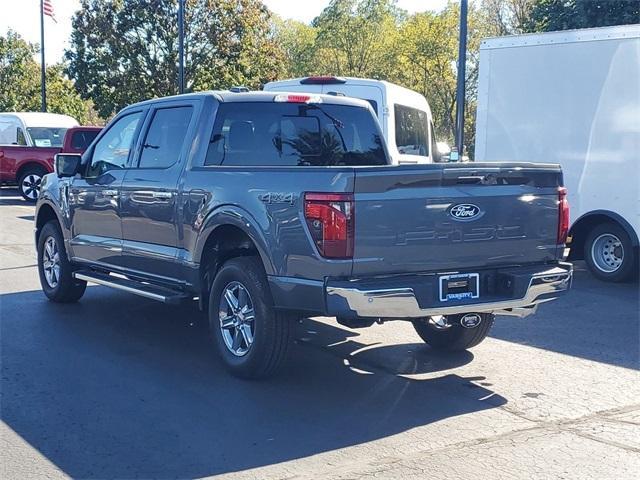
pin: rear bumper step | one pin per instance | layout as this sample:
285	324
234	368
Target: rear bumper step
401	302
146	290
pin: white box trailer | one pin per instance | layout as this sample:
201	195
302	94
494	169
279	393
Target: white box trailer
573	98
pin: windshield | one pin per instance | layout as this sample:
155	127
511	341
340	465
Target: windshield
295	134
47	136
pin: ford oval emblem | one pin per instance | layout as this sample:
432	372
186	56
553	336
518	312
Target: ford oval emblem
465	211
470	320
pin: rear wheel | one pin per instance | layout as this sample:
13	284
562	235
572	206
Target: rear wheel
454	332
252	338
54	268
29	183
610	254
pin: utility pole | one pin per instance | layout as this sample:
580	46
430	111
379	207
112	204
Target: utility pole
181	46
462	60
43	77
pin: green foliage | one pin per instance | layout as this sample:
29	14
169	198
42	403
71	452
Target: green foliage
123	51
551	15
298	43
358	37
20	82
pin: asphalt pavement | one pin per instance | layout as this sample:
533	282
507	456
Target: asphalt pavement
117	386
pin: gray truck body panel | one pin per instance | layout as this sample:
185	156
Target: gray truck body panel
155	224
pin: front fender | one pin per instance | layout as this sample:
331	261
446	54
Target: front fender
243	220
53	196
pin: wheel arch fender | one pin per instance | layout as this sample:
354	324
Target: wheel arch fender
32	163
586	222
234	216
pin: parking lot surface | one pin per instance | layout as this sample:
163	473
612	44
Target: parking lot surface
117	386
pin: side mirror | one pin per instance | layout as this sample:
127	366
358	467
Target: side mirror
67	164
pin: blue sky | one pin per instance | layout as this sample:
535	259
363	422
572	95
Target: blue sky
23	16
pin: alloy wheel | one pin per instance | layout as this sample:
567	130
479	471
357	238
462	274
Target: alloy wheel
51	262
30	186
237	318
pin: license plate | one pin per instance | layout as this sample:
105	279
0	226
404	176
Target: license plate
461	286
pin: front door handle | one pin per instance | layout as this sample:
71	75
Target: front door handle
162	195
110	193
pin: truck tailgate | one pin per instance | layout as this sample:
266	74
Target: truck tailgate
454	217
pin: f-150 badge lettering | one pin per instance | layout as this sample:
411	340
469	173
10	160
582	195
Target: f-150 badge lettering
465	211
277	197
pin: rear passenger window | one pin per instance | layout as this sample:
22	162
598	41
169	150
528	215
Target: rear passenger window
295	134
165	138
412	131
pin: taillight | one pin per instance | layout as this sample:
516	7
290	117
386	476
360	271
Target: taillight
330	217
563	215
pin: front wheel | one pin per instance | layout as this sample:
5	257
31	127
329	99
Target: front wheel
252	338
54	268
610	254
454	332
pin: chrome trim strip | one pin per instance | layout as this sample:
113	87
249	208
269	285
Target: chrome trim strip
117	286
402	303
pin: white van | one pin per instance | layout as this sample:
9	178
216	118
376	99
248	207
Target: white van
404	115
573	98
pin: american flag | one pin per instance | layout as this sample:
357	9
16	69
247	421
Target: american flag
47	9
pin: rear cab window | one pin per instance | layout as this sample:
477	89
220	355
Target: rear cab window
81	139
295	134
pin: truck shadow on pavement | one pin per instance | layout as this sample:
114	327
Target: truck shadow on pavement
121	387
600	323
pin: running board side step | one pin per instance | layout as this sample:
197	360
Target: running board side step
146	290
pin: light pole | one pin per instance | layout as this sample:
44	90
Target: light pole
462	60
181	46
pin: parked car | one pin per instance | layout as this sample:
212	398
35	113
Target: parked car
404	115
28	143
267	207
573	98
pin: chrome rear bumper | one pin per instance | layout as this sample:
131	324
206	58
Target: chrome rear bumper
399	303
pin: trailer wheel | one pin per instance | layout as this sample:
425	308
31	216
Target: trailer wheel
610	254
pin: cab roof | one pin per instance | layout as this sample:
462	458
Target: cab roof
227	96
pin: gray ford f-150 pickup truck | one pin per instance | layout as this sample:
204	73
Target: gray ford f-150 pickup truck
269	207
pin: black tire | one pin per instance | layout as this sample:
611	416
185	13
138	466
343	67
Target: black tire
29	183
456	337
66	289
271	329
609	253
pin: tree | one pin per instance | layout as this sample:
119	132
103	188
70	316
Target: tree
508	17
358	37
127	50
298	43
552	15
20	82
427	64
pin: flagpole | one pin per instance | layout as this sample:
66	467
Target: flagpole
43	87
